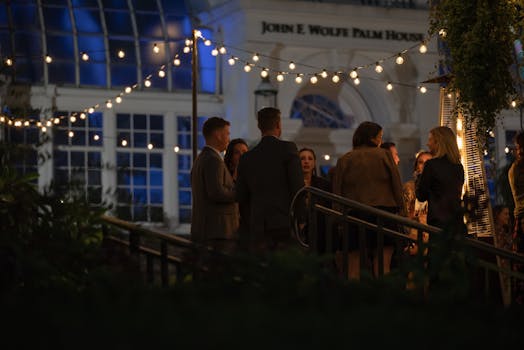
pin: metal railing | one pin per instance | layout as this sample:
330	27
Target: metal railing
338	214
173	255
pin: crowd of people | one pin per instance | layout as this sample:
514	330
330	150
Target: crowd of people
242	201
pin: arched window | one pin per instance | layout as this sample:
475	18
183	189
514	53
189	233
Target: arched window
320	112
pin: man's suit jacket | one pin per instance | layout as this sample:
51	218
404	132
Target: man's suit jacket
214	211
269	176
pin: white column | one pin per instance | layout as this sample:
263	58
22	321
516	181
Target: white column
109	176
170	171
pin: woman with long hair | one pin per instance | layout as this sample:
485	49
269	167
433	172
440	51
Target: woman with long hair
441	181
368	174
235	149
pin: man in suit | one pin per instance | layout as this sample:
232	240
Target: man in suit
269	176
214	216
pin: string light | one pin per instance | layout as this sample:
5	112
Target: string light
327	157
72	119
214	52
335	78
188	42
176	61
247	68
298	79
324	74
222	50
423	48
353	74
121	54
378	68
356	81
399	60
423	89
207	42
231	61
176	149
186	49
161	73
48	59
255	57
91	110
71	134
56	121
85	56
150	146
389	86
118	99
513	103
128	90
109	104
49	123
292	65
264	73
9	62
44	129
147	83
96	137
442	33
280	77
82	116
156	49
313	79
124	142
506	150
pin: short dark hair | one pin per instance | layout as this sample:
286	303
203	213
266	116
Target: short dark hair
387	145
268	118
213	124
364	133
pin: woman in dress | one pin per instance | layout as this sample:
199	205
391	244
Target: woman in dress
441	181
368	174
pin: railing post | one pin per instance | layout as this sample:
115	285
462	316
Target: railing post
380	247
312	231
163	264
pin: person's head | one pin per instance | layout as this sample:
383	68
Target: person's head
501	215
519	145
308	160
443	143
269	121
235	149
216	133
390	146
420	159
367	134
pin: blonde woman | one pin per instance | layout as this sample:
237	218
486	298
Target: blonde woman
441	180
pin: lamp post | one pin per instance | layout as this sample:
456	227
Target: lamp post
265	95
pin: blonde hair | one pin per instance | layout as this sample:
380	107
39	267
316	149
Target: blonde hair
447	144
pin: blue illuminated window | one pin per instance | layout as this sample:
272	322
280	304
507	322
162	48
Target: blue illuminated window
320	112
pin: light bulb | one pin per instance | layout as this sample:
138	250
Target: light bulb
399	59
513	103
491	133
49	123
85	56
161	73
82	116
214	52
207	42
90	110
118	99
176	149
247	68
48	59
324	74
156	49
72	119
44	129
121	54
109	104
231	61
389	86
222	50
147	83
255	58
327	157
264	73
39	124
70	134
353	74
150	146
506	150
298	79
176	61
423	48
313	79
124	142
128	89
292	65
26	123
423	89
280	77
96	137
335	78
188	42
56	120
186	49
356	81
9	62
442	33
2	119
378	68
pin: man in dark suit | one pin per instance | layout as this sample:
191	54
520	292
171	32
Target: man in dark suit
269	175
214	216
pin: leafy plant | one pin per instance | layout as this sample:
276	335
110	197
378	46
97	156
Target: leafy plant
477	43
